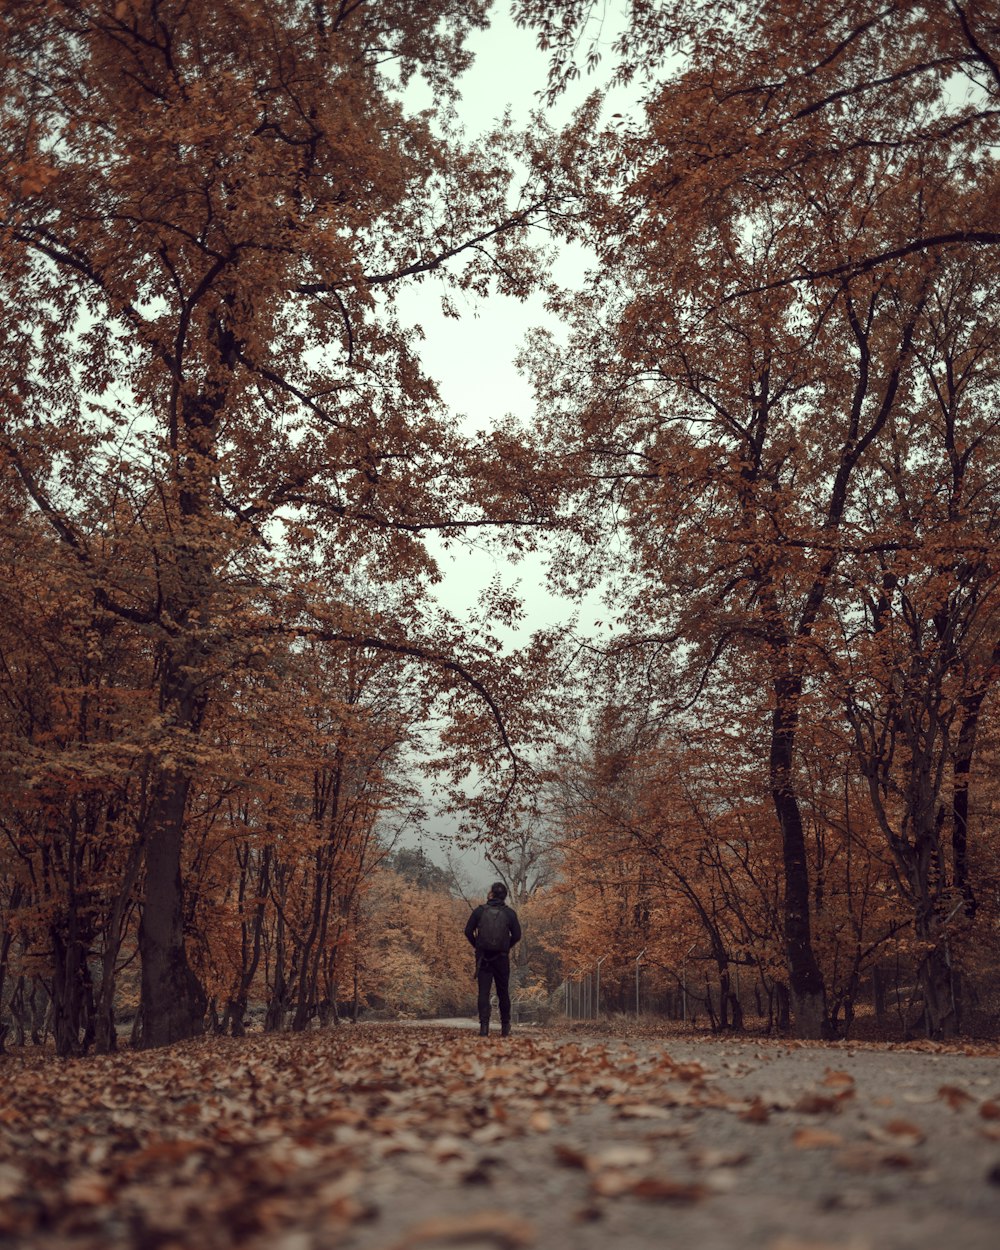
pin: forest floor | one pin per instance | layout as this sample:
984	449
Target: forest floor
420	1137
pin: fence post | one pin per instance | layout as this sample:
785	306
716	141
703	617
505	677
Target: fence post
597	998
684	983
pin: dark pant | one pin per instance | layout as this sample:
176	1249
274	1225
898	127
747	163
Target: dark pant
494	969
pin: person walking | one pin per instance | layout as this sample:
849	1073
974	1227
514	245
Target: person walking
493	929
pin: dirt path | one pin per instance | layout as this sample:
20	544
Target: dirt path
423	1137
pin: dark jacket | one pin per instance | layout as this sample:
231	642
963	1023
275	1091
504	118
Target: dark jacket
514	925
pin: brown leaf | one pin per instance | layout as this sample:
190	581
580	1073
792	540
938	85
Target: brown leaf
611	1184
869	1158
712	1159
954	1096
662	1189
570	1157
821	1104
624	1155
816	1139
901	1132
503	1230
162	1151
87	1189
642	1111
756	1113
12	1180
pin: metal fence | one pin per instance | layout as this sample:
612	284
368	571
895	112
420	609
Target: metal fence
580	996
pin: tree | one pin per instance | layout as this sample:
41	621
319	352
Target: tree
414	958
75	692
765	249
919	645
414	865
207	209
726	443
775	92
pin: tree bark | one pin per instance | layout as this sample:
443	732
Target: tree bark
250	946
173	1002
805	980
941	1017
962	771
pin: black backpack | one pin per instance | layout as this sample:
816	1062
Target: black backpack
493	931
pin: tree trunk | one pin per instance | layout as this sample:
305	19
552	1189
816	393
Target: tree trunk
105	1034
6	940
878	993
962	771
783	1005
936	982
70	1013
306	995
173	1002
172	1006
805	980
250	946
277	1003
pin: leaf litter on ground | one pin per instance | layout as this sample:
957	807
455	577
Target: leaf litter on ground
273	1140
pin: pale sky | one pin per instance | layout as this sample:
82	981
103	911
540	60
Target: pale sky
472	358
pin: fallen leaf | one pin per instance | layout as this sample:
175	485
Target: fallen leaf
506	1231
12	1180
611	1184
867	1159
899	1133
955	1096
821	1104
642	1111
756	1113
816	1139
661	1189
621	1156
710	1159
88	1189
570	1157
447	1147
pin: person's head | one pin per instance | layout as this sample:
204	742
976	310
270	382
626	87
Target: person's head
498	890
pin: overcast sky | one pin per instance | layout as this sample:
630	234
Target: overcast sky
472	358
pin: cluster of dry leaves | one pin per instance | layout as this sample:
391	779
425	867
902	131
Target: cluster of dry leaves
275	1140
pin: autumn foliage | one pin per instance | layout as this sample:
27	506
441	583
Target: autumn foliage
769	441
778	413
